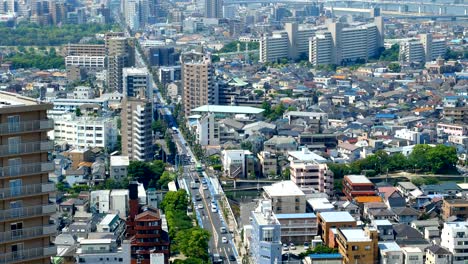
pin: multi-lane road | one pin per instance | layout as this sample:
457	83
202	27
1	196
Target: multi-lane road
221	243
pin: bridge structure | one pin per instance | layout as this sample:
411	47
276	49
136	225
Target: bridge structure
422	7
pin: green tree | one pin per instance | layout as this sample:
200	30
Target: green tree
319	249
78	111
166	177
442	158
391	54
266	106
175	201
394	67
144	172
194	242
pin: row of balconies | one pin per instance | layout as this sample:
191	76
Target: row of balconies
27	233
26	212
25	190
26	148
26	126
28	254
26	169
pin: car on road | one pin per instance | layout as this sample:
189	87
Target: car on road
223	230
214	209
198	197
200	206
203	180
205	187
306	246
292	246
224	240
285	247
232	258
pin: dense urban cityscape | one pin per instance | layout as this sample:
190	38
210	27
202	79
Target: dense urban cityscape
234	131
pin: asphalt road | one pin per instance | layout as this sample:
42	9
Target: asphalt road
211	221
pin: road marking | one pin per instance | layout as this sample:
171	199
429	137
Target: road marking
225	253
215	234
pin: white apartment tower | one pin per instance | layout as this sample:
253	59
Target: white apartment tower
454	237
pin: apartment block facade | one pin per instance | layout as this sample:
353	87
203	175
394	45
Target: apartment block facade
25	227
137	136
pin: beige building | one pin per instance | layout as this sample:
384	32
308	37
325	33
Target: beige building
357	245
121	53
136	130
197	81
25	228
286	198
268	163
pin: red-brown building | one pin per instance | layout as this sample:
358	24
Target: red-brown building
357	185
144	230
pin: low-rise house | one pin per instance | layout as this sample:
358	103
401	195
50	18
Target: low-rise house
455	207
405	214
384	228
412	255
390	253
392	197
445	189
406	188
118	167
436	254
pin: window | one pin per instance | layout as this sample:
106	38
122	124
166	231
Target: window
367	247
354	248
413	258
268	234
395	257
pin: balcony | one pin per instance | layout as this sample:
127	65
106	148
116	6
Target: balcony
28	254
25	212
27	233
26	169
26	148
25	190
26	126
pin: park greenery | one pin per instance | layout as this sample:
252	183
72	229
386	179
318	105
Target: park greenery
30	34
273	113
232	46
424	159
391	54
148	173
187	239
32	58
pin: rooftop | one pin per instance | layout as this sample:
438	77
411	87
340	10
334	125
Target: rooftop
335	217
389	246
358	179
119	161
382	222
354	235
320	204
229	109
326	256
283	188
11	100
291	216
107	220
306	155
95	241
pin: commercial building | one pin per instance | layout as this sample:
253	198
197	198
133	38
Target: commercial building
86	131
454	238
85	50
144	230
89	63
286	198
120	54
328	220
265	244
357	185
135	83
25	227
456	207
197	81
169	74
424	50
214	8
297	228
163	56
357	245
137	135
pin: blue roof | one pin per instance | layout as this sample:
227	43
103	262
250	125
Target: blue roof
383	115
288	216
326	256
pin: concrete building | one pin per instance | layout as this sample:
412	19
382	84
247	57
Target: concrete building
169	74
214	8
118	167
265	244
333	219
235	162
297	228
137	136
25	205
136	13
332	258
286	198
457	207
120	54
390	253
357	185
454	238
135	83
73	49
118	202
425	50
197	81
357	245
268	163
436	254
103	251
89	63
86	131
412	255
344	44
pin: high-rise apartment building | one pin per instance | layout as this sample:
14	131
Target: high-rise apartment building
136	130
136	13
25	227
121	53
214	8
136	84
423	50
197	80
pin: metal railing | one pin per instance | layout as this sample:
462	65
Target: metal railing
26	126
27	190
26	148
24	255
30	211
26	169
26	233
